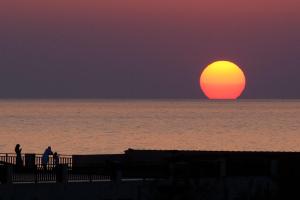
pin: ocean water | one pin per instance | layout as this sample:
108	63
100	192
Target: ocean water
112	126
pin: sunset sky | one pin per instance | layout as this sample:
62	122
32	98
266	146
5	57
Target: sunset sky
145	49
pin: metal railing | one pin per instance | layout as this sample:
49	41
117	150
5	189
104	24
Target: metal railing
33	171
10	158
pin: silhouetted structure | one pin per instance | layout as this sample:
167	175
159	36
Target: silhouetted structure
156	174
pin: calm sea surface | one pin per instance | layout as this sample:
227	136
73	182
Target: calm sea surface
111	126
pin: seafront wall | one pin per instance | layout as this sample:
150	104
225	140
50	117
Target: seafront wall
214	189
80	191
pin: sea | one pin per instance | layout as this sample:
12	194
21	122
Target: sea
112	126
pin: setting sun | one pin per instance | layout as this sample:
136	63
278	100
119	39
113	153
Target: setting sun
222	80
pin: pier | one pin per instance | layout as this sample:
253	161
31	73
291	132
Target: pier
154	174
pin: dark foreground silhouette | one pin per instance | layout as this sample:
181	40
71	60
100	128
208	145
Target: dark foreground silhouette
151	174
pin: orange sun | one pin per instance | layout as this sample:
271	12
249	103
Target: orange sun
222	80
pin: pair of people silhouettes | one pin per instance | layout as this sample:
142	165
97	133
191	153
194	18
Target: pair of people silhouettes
45	158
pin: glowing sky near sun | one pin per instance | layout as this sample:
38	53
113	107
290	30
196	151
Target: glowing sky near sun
145	49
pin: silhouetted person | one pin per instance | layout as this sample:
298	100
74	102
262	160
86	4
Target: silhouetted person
19	161
55	159
45	158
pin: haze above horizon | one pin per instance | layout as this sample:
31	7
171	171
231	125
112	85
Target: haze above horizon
138	49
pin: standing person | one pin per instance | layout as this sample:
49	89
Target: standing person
19	161
45	158
55	159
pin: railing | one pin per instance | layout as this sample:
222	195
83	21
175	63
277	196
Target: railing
41	176
33	171
10	158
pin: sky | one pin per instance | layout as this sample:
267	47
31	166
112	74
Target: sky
145	49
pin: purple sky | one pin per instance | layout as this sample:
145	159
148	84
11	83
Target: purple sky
145	49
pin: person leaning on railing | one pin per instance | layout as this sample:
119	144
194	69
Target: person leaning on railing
45	157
